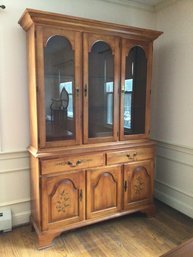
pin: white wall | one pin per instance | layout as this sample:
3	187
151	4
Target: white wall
14	129
172	119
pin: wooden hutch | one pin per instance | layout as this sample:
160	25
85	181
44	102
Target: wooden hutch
89	94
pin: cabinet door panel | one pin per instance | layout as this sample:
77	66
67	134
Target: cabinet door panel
135	89
59	82
103	191
63	199
138	183
101	78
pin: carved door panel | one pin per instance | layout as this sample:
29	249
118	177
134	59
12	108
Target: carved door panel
63	199
103	191
138	183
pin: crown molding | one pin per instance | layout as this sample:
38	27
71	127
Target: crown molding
164	4
136	5
129	3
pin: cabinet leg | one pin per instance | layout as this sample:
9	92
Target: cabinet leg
46	240
150	211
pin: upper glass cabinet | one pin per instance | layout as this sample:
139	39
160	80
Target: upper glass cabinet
134	89
91	90
100	84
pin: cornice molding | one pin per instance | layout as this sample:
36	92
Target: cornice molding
32	17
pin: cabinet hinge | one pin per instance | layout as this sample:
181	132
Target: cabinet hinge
35	34
117	133
149	131
150	91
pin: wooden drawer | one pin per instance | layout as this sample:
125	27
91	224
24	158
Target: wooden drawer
130	155
72	163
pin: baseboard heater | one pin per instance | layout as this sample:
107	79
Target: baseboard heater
5	219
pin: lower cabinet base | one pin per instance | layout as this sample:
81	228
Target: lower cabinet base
45	238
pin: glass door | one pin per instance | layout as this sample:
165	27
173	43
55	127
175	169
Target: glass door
60	88
135	90
101	74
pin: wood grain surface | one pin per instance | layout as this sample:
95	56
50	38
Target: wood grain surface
131	236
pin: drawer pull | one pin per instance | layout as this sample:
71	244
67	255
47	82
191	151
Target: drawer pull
71	164
78	162
131	156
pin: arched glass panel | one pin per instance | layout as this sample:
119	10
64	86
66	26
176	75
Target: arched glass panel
135	91
101	91
59	89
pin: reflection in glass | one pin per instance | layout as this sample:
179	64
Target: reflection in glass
135	92
101	90
127	103
59	87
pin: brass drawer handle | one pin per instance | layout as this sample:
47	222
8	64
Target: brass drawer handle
131	156
78	162
71	164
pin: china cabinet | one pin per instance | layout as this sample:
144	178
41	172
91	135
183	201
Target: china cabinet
89	96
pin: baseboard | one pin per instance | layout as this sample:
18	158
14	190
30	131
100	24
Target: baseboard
174	203
174	176
15	185
21	218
